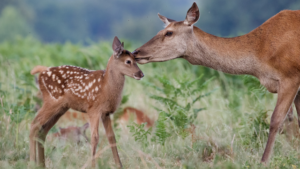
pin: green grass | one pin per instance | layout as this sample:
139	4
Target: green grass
230	114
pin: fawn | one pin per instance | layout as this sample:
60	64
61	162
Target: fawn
71	133
97	93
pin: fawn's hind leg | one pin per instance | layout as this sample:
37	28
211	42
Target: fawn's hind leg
43	133
43	116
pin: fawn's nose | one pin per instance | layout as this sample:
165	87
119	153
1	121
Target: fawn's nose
141	74
138	75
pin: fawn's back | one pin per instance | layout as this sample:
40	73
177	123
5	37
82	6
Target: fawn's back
79	85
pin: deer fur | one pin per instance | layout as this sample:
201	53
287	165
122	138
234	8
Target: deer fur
97	93
139	116
270	52
71	133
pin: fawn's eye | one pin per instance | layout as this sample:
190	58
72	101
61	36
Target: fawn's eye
169	33
128	62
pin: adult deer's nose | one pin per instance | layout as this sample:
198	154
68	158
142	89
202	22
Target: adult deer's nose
135	52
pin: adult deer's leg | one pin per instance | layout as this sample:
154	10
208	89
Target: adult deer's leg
43	133
286	95
111	138
94	123
297	105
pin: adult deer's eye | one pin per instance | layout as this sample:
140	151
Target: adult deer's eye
169	33
128	62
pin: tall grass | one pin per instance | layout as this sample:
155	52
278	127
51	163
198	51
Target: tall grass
204	118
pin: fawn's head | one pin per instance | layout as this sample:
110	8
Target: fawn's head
124	61
171	42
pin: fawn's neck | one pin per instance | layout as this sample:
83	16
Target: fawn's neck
113	80
229	55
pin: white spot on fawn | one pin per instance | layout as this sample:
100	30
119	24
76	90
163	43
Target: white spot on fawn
96	89
49	73
58	81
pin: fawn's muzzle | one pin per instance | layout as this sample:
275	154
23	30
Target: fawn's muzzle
138	75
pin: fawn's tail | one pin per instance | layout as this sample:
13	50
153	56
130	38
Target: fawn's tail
38	69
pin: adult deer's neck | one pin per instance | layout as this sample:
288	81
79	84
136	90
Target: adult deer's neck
229	55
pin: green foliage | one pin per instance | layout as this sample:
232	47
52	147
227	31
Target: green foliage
230	124
177	110
82	21
12	24
139	133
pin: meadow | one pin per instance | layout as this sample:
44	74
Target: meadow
203	118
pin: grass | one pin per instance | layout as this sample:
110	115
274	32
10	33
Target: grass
226	127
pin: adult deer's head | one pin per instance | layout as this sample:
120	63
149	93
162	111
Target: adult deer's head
171	42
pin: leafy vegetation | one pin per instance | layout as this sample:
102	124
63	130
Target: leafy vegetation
203	118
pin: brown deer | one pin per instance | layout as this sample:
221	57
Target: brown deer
270	52
97	93
140	117
71	133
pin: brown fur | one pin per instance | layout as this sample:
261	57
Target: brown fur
38	69
270	52
64	87
72	133
139	116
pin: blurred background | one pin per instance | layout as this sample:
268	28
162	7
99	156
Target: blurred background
135	20
199	115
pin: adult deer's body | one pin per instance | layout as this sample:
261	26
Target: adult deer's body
270	52
97	93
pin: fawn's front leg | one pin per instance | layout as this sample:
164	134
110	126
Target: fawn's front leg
286	96
94	123
111	138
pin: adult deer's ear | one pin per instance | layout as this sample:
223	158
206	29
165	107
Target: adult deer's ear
192	15
117	47
166	20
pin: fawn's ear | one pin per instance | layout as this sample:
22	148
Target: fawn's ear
117	47
192	15
85	126
165	20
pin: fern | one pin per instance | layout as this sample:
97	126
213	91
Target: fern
139	133
161	132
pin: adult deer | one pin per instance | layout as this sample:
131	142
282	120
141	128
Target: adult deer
97	93
270	52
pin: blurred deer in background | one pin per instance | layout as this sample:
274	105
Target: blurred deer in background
271	52
71	133
97	93
138	116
